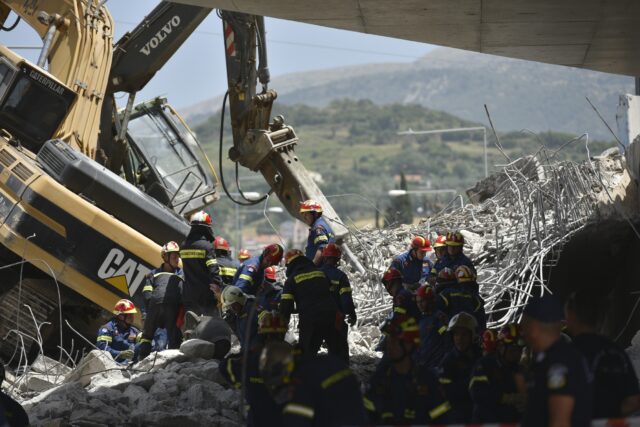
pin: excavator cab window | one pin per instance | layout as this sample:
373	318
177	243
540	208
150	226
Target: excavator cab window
32	104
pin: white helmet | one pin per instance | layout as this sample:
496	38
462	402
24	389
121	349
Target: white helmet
464	320
232	294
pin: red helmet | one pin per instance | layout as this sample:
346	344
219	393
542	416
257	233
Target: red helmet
405	328
455	239
331	250
169	247
201	218
310	206
390	275
220	244
273	253
440	242
510	334
446	275
244	254
124	306
270	273
422	244
465	274
489	341
426	292
291	255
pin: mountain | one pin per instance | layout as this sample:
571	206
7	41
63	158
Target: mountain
519	94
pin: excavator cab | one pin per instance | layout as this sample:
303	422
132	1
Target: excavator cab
165	159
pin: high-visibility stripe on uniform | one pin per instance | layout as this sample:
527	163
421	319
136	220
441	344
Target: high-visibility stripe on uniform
334	378
409	413
368	405
232	377
478	379
211	262
460	295
442	329
439	410
446	301
147	288
106	338
161	273
321	238
478	306
246	277
297	409
143	340
399	310
286	296
335	282
228	271
307	276
193	253
345	290
387	415
256	380
444	381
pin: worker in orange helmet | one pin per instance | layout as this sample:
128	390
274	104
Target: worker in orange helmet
320	232
440	250
228	266
243	255
410	263
118	336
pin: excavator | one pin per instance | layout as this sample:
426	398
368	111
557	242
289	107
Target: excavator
88	192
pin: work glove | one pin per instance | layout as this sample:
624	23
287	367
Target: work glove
352	319
125	355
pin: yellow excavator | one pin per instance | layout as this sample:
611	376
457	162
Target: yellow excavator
87	192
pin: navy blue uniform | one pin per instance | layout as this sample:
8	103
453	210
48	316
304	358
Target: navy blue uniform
325	392
412	398
405	303
228	269
341	292
455	376
433	344
561	370
200	270
612	371
456	298
320	235
114	339
492	388
247	322
453	263
409	267
250	276
427	266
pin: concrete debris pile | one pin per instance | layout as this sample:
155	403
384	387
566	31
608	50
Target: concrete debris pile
514	232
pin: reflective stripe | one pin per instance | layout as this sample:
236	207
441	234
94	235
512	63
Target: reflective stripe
332	379
164	273
193	253
228	271
478	306
231	375
478	378
147	288
442	330
321	238
286	296
246	277
439	410
256	380
106	338
308	276
335	282
409	413
399	310
345	290
142	340
460	294
446	301
368	405
211	262
387	415
444	381
294	408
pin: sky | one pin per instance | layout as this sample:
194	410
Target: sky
197	71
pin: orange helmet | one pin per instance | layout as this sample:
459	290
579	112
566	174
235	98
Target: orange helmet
124	306
201	218
310	206
244	254
464	274
426	292
331	250
270	273
273	253
421	243
220	244
169	247
510	334
455	239
441	241
446	275
405	328
390	275
489	341
291	255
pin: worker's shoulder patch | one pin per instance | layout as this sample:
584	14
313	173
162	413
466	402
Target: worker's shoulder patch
104	331
557	376
251	267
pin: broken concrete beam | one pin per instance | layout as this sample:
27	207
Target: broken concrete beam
46	365
35	381
94	363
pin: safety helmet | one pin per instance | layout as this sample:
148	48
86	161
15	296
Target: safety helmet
440	242
464	320
331	250
291	255
489	340
310	206
510	334
169	247
270	273
465	274
421	243
200	218
276	364
271	322
404	328
244	254
390	275
231	295
273	253
455	238
426	292
446	275
220	244
124	306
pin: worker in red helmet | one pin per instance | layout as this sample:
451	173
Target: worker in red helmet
440	250
118	336
243	255
433	327
401	392
268	297
340	291
404	302
228	266
461	296
497	383
250	275
320	232
410	263
489	341
201	271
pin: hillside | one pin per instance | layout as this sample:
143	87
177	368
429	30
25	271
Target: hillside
520	94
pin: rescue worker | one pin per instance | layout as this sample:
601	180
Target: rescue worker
433	327
14	413
559	386
497	384
489	342
446	277
243	255
401	392
320	232
308	288
466	277
440	250
341	293
118	336
228	266
250	275
459	297
201	271
409	263
162	294
457	364
270	292
454	256
244	312
317	390
403	300
616	393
